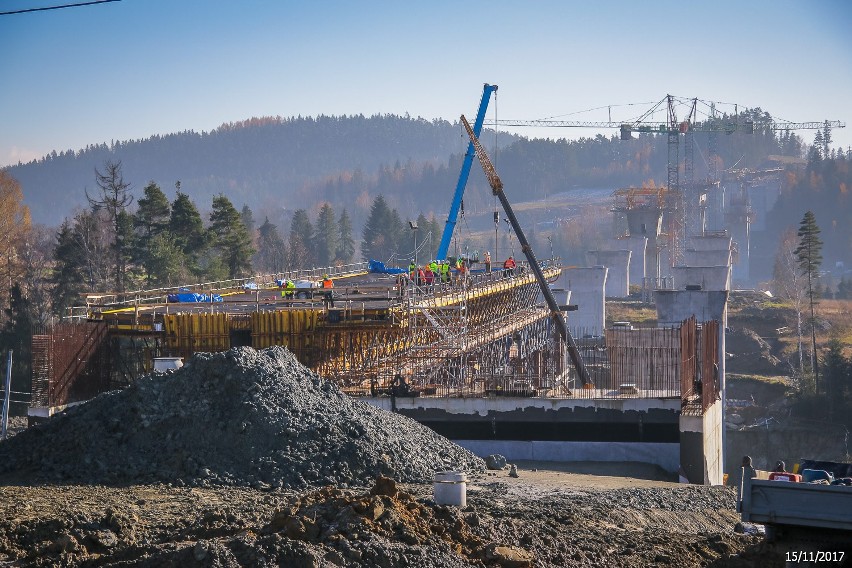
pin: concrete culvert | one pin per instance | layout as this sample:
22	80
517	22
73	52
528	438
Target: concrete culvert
242	417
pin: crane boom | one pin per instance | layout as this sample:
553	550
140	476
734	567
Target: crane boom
663	127
555	313
450	226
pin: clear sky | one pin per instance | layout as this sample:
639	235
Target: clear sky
134	68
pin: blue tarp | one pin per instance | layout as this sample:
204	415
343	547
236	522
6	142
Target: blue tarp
378	267
192	297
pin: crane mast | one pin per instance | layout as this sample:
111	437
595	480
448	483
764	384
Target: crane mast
450	226
555	313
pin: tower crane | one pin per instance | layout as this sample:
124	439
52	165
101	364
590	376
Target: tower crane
682	209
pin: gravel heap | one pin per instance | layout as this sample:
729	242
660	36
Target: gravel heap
242	417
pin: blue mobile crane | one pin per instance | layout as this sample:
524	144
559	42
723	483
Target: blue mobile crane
444	247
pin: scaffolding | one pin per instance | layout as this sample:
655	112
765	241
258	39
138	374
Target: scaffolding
486	334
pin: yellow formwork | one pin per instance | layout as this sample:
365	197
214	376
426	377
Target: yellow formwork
291	328
191	333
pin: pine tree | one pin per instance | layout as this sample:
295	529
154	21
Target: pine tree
271	249
150	221
301	240
68	274
187	228
810	260
826	138
819	145
152	215
383	233
230	237
326	236
248	220
166	262
346	248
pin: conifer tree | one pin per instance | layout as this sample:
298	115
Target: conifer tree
151	220
377	243
326	236
271	249
187	228
230	237
301	240
68	274
346	248
810	260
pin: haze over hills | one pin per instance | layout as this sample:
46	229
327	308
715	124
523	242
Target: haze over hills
277	165
261	162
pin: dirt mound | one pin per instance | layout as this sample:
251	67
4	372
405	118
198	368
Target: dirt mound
243	417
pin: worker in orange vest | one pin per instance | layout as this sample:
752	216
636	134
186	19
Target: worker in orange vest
509	267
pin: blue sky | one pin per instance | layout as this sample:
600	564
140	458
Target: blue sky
134	68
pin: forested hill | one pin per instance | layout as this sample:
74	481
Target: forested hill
276	165
258	162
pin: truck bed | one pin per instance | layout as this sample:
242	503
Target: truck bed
796	504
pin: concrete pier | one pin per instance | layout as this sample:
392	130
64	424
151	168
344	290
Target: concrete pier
647	222
704	434
707	257
637	245
587	287
707	277
618	263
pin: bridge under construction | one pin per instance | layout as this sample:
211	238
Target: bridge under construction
486	332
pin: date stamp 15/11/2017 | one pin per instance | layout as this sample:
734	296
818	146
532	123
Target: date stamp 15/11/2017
815	556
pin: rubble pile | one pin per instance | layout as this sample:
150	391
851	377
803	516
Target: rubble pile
348	523
241	418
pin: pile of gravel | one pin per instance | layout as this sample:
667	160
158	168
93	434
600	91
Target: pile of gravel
242	417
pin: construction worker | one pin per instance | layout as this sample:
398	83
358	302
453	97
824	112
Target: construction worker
445	272
487	260
429	275
509	267
421	276
288	289
327	286
461	270
433	266
412	271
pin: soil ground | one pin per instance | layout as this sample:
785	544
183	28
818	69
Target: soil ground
569	514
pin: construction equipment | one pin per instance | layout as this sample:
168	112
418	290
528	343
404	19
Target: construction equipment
555	312
450	226
682	206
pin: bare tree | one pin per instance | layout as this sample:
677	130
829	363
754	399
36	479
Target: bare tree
114	199
790	284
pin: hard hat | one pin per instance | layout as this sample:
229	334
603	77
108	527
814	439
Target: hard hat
325	275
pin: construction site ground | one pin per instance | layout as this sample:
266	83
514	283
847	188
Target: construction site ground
580	514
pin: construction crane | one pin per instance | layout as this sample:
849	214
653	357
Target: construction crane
682	210
450	226
555	312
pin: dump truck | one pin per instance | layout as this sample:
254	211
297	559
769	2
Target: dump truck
816	510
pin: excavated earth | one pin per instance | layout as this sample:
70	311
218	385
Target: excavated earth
246	458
